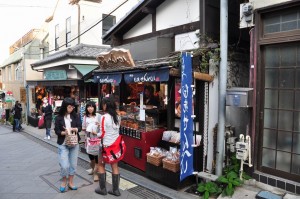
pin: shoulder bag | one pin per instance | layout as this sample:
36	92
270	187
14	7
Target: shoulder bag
115	152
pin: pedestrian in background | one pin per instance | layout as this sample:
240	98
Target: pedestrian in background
17	111
91	120
67	121
111	127
47	113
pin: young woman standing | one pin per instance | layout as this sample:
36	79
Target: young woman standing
91	120
111	122
66	122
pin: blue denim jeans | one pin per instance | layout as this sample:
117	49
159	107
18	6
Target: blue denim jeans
48	132
68	159
17	124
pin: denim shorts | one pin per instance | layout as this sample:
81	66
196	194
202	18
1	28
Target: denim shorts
67	159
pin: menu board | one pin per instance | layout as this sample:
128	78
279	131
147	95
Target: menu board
23	95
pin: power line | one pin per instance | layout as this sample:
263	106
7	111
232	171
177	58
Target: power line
83	31
21	6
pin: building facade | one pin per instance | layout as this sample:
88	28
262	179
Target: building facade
276	61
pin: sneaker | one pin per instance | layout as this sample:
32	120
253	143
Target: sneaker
45	138
48	137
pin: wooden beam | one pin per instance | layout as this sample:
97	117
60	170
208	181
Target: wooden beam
203	76
197	75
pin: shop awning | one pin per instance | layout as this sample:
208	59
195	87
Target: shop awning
85	69
151	75
103	78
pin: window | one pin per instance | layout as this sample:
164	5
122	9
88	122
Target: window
56	37
108	22
18	72
3	74
282	22
9	73
68	32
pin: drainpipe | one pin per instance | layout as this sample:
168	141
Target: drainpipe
78	22
222	85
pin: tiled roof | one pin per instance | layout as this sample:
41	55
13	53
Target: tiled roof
172	61
79	51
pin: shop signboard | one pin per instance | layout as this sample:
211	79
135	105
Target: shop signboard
107	78
55	75
158	75
186	123
115	58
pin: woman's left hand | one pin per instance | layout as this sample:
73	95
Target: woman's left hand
74	129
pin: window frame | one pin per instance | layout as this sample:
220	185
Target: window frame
56	37
105	17
68	32
18	74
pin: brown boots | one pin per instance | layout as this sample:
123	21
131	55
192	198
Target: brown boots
92	165
102	185
95	173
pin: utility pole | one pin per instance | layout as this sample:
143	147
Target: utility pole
222	85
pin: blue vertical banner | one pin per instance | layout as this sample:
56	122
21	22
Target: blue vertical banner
186	123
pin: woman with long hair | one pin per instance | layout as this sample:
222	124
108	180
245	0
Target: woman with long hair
66	122
89	122
111	125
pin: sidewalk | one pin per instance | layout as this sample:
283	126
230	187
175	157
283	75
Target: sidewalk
131	183
143	187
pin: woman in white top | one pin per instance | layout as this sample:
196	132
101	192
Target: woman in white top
90	121
111	128
66	122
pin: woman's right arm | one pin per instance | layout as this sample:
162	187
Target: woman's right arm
57	128
84	123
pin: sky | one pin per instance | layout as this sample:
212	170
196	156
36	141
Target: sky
18	17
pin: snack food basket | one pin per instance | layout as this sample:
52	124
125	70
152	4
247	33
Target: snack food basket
170	165
155	160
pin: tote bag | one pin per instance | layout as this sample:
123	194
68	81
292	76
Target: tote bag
92	146
71	139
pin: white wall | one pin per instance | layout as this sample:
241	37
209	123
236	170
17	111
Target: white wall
186	41
177	12
90	14
31	74
143	27
170	14
264	3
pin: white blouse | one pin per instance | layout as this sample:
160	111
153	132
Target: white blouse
89	123
110	128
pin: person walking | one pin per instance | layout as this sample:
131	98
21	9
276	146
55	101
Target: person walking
66	122
17	111
111	125
47	113
91	120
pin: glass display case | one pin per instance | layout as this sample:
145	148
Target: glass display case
132	126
